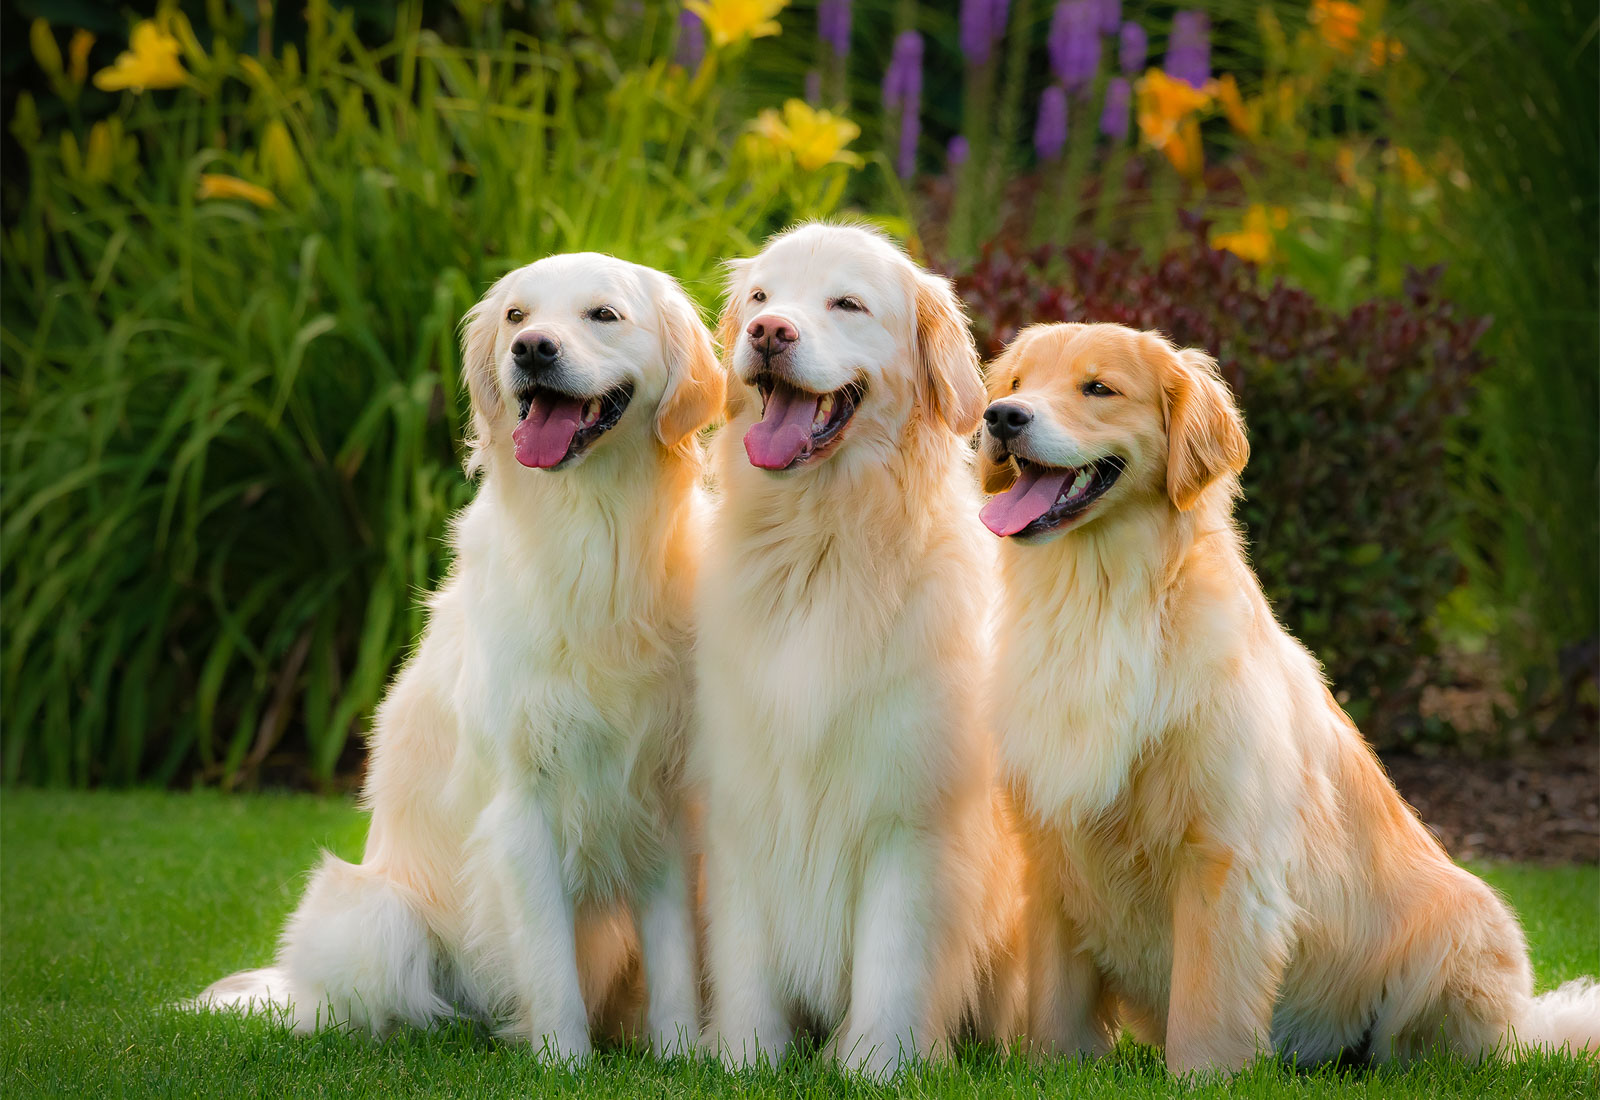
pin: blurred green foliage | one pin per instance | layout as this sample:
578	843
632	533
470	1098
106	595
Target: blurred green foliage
229	404
231	400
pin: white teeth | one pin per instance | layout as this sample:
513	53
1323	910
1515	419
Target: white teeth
591	412
824	411
1077	488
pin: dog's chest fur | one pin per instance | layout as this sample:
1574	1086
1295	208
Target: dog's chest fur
576	684
1085	710
838	675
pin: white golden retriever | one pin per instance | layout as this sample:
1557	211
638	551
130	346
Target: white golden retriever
527	838
1218	851
861	873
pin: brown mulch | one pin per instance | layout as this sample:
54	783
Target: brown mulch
1541	810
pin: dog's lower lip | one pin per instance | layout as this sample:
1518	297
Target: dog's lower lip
599	414
834	410
1090	482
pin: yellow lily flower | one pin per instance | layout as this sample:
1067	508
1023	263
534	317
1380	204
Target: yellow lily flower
214	186
1338	22
45	50
151	61
108	154
1167	107
100	155
1164	102
1344	163
1256	240
1244	117
279	159
78	56
1411	169
732	20
814	138
25	121
1383	50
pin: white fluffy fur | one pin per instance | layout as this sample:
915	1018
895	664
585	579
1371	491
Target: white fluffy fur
861	872
527	838
1220	862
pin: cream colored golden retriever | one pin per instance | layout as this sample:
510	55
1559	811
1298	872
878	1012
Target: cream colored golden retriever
862	875
527	837
1216	851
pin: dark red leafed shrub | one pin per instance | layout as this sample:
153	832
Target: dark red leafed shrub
1352	417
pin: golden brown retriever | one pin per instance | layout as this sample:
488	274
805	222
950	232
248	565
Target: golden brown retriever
1218	857
528	835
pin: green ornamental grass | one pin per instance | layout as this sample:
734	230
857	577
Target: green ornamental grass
231	423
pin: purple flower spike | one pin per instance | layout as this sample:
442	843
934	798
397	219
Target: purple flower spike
833	25
976	35
902	80
1050	131
910	133
999	15
691	40
1114	116
1074	42
1110	16
902	91
958	152
1189	48
983	24
1133	45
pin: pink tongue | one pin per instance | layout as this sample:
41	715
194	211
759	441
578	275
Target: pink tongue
546	433
784	430
1031	497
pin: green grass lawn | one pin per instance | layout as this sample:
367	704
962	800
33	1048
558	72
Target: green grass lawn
114	906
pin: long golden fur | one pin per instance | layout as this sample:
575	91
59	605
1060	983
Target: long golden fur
1218	858
862	875
528	842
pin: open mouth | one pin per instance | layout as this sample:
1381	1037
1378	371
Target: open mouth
1044	498
557	427
797	425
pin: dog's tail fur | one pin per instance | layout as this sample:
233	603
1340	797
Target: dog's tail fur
356	953
250	991
1567	1017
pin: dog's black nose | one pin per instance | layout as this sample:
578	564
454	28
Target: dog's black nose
535	351
1006	419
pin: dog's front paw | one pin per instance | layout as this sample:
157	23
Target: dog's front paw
738	1051
570	1045
877	1059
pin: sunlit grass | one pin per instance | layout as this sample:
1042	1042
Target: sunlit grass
115	906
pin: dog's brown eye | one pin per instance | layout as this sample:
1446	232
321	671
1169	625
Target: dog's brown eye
515	316
848	304
758	296
1098	389
604	314
1016	384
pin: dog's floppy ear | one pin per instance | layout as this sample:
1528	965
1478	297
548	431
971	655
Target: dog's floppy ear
695	382
1205	433
478	329
947	361
728	331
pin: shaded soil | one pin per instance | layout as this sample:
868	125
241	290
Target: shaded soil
1539	810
